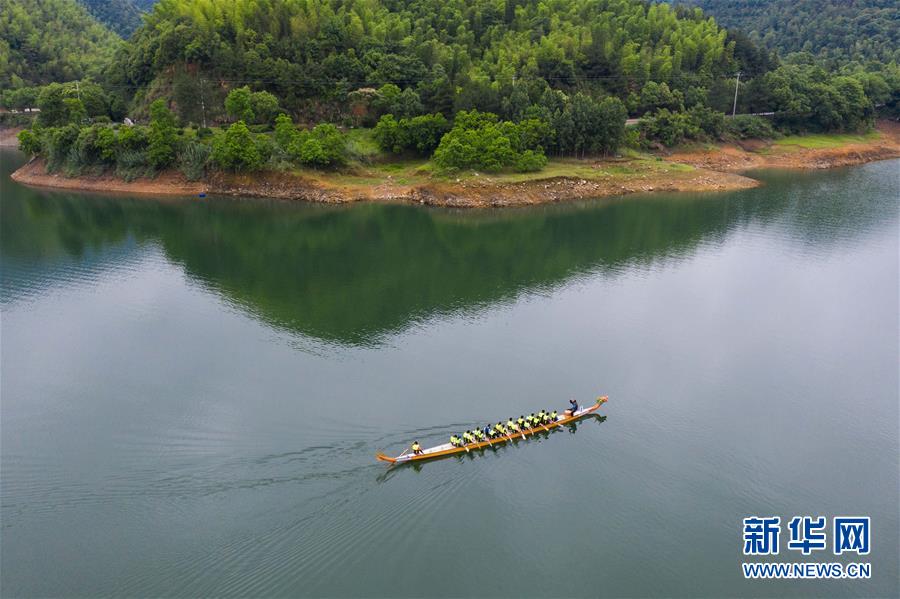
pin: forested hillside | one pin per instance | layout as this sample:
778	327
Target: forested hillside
832	29
121	16
478	85
50	40
487	54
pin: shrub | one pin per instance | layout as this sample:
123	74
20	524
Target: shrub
56	143
285	131
236	149
131	164
479	141
162	135
192	159
320	147
204	132
631	138
238	104
85	150
132	138
264	106
669	128
711	122
421	134
29	142
530	161
106	144
387	134
746	126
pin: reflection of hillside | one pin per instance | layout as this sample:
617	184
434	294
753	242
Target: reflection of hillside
355	274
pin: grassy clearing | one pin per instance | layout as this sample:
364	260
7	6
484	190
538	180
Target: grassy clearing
824	141
421	172
361	144
593	170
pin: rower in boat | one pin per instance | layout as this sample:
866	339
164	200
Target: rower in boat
455	441
501	432
554	416
573	407
416	448
540	417
468	437
547	417
521	422
512	426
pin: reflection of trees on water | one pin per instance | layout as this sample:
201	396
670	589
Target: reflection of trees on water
355	274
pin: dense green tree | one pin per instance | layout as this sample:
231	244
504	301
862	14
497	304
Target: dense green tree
29	142
479	140
420	134
669	128
285	131
236	149
239	104
323	146
162	135
264	106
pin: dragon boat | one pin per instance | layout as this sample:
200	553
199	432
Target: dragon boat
448	449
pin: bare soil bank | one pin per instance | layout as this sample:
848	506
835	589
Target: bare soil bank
690	170
756	154
9	138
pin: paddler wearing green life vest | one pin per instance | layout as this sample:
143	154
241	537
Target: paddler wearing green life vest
521	422
455	441
554	416
512	426
416	448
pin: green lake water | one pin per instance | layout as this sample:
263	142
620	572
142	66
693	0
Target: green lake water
193	391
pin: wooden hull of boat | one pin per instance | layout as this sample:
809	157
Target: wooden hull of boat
451	450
